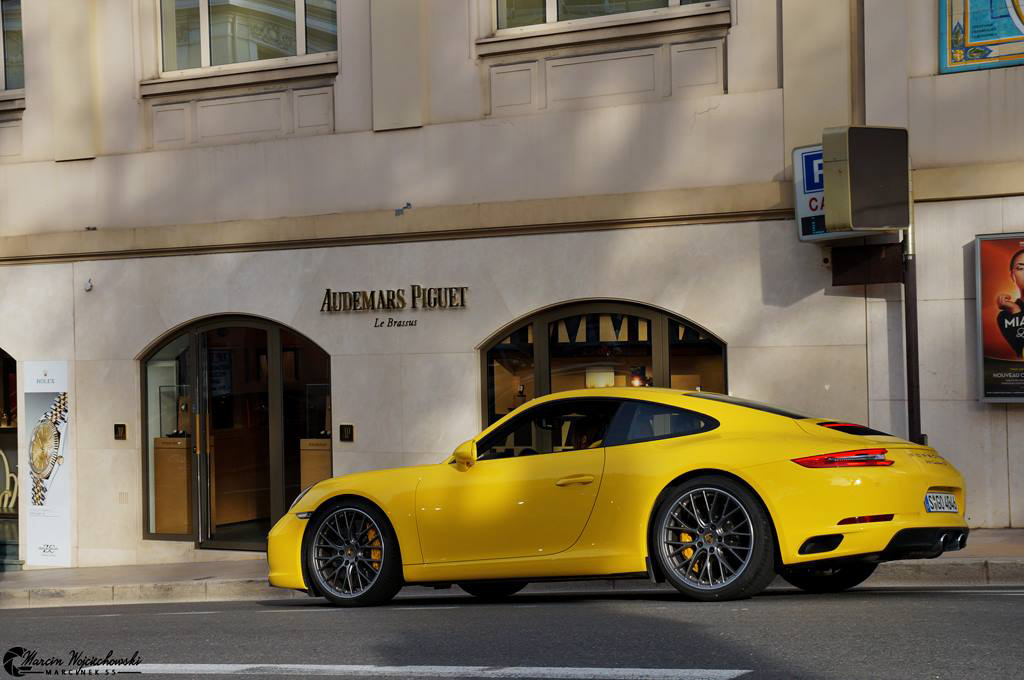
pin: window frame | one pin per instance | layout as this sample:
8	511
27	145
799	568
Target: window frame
610	441
658	329
551	23
206	67
516	421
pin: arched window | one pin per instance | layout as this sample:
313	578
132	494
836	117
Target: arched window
237	421
597	344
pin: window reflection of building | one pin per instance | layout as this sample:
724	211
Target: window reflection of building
12	62
240	31
597	344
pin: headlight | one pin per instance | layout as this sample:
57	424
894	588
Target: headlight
301	494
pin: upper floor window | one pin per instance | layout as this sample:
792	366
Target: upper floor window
198	33
516	13
12	62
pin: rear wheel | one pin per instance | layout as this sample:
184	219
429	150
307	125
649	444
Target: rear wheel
832	579
352	555
492	590
713	540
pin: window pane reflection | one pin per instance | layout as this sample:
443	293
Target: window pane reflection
512	13
13	59
581	9
169	449
247	30
307	413
600	350
695	360
321	26
510	373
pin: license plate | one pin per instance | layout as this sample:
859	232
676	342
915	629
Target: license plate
940	502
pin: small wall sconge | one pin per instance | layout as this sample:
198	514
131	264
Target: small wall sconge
401	211
88	286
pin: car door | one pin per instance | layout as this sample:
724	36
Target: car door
530	492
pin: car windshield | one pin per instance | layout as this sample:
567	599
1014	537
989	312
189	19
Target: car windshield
736	401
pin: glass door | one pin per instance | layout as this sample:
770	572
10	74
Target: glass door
235	456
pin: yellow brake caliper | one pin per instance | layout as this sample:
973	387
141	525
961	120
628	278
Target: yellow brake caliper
688	552
375	552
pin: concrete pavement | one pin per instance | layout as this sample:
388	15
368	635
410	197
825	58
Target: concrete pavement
993	557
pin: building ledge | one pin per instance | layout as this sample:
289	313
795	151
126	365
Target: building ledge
616	27
703	205
12	104
236	75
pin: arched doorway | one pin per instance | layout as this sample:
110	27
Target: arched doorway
598	343
237	420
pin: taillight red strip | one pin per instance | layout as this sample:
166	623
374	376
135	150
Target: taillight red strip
858	458
866	518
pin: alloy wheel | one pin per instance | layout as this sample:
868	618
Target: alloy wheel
707	538
348	552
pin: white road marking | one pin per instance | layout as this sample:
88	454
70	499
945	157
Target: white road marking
184	613
503	672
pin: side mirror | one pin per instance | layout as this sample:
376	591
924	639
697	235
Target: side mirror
465	455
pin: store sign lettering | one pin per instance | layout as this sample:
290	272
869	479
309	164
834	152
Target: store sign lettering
394	299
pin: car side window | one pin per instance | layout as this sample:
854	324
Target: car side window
568	425
639	421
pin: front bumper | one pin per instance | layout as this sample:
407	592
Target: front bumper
284	553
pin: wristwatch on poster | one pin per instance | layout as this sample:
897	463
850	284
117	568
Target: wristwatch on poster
47	446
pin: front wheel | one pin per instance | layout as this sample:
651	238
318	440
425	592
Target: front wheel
713	540
827	579
352	555
492	590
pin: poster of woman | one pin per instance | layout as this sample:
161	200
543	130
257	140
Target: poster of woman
999	262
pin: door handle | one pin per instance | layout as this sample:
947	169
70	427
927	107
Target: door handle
575	479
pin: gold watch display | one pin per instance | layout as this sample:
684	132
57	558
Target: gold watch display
46	446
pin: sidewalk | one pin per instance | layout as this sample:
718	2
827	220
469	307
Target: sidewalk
993	557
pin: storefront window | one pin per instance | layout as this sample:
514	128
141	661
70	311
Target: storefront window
169	442
307	413
600	350
695	359
597	344
509	366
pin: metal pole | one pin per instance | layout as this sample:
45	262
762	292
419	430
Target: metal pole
910	332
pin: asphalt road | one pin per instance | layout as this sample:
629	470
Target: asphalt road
867	633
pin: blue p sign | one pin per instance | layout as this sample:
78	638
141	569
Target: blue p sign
814	171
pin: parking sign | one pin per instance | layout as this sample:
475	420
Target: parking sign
809	194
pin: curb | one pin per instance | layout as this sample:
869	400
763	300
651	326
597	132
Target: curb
945	572
144	593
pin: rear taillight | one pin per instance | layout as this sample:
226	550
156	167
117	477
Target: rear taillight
858	458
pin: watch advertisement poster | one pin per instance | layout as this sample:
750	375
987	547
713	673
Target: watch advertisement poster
46	480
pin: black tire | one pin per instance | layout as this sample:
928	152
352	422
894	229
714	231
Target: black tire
829	579
718	543
364	573
492	591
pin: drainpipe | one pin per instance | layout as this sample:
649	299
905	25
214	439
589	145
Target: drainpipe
910	330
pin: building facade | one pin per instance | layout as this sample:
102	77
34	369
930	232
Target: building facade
270	241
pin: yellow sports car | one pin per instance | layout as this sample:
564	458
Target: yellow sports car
708	492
